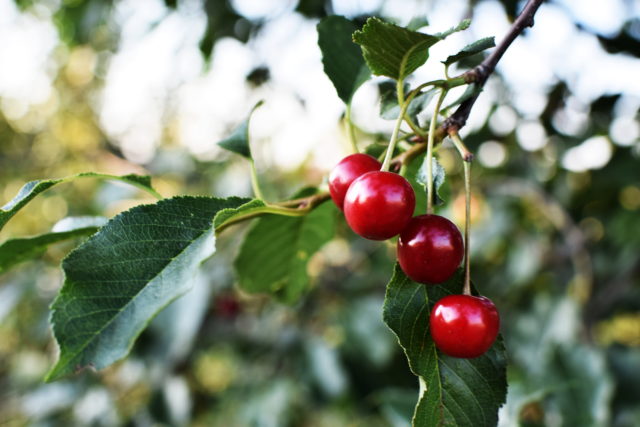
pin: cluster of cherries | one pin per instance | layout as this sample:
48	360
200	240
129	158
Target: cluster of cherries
379	205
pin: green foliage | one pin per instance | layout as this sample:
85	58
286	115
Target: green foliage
463	25
274	255
418	22
252	361
389	108
470	50
15	251
460	392
391	50
31	189
25	195
341	57
121	277
251	207
238	141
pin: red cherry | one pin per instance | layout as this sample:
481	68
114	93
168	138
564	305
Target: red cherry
227	306
464	325
430	249
349	168
378	205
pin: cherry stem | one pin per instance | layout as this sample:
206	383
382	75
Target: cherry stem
394	136
254	181
351	132
429	158
298	207
467	157
481	72
467	227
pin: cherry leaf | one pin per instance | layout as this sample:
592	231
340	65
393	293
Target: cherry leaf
341	57
238	141
391	50
453	392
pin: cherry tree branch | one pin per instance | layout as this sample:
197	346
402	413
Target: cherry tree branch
481	73
478	76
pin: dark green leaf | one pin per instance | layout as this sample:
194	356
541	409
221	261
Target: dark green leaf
463	25
123	275
457	392
471	49
238	141
396	405
391	50
15	251
31	189
438	175
274	255
389	108
341	57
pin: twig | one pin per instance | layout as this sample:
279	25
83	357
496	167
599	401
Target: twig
481	73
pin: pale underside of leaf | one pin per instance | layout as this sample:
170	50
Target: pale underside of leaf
438	175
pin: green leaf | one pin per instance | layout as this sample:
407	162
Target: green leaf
455	392
246	207
15	251
341	57
125	274
238	141
418	22
391	50
274	255
25	195
31	189
389	108
471	49
463	25
439	175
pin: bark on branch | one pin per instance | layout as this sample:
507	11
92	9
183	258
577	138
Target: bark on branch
481	73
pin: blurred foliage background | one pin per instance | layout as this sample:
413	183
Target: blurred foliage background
148	86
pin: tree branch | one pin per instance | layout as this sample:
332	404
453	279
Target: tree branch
481	73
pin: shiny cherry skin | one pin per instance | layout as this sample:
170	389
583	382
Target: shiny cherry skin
464	326
345	172
378	205
430	249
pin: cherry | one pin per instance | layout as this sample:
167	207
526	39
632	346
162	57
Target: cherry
464	325
227	306
349	168
378	205
430	249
